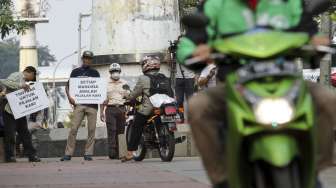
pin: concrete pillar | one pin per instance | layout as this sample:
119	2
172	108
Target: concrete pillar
28	48
325	65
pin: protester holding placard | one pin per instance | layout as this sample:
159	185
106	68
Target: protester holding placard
17	81
2	99
113	110
82	110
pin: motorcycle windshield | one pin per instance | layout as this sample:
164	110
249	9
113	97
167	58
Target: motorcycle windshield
261	44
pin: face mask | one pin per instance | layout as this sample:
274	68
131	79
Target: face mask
115	76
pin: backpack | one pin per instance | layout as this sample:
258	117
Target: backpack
160	84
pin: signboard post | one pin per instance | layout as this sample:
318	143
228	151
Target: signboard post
23	103
88	90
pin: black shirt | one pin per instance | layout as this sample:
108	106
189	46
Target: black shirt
84	72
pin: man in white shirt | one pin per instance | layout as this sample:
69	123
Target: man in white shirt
185	80
113	110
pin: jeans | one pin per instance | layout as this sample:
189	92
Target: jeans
20	126
136	129
184	87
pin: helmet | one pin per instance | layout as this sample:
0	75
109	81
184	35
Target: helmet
87	54
115	67
150	63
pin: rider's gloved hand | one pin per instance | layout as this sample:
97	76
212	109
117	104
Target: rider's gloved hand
202	52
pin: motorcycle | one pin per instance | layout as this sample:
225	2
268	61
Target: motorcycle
271	132
158	132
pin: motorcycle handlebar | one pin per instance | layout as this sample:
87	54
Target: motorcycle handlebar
319	48
308	48
196	60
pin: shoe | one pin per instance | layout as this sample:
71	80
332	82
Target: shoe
126	158
34	158
114	154
66	158
88	158
113	157
10	160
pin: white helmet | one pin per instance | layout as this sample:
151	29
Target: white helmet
115	67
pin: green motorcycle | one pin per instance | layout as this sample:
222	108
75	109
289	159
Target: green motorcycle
271	141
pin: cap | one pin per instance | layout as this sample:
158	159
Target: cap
88	54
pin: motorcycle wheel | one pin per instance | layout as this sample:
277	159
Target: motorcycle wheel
274	177
140	153
167	148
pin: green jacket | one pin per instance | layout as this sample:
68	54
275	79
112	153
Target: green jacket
228	17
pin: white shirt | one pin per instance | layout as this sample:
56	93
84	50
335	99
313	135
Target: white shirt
186	72
115	92
205	72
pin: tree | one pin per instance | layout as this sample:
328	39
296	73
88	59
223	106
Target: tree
45	58
7	21
9	57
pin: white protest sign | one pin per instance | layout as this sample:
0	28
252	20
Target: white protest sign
88	90
23	103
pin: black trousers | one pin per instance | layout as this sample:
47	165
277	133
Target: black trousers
11	127
183	87
136	130
115	124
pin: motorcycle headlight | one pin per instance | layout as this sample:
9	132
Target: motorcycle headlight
274	111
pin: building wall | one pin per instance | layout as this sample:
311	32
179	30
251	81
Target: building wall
124	31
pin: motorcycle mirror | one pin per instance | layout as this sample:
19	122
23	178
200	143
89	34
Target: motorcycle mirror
315	7
195	20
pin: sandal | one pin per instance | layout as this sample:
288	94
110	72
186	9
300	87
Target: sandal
125	159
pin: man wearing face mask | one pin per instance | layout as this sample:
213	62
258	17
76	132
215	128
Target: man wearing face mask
82	110
113	110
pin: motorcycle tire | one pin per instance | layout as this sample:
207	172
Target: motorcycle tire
140	153
167	153
275	177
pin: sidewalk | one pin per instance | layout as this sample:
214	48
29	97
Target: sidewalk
102	173
105	173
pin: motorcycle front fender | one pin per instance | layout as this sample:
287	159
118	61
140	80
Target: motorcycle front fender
277	150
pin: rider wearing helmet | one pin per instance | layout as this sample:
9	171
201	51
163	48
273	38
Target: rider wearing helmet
225	18
113	110
150	66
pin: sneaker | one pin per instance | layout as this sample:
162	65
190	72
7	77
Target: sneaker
88	157
34	158
66	158
113	157
10	160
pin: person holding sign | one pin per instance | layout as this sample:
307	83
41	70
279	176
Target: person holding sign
82	110
17	81
113	110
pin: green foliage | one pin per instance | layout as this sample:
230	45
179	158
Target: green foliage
9	57
10	53
7	22
45	58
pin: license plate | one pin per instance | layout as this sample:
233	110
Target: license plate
168	118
